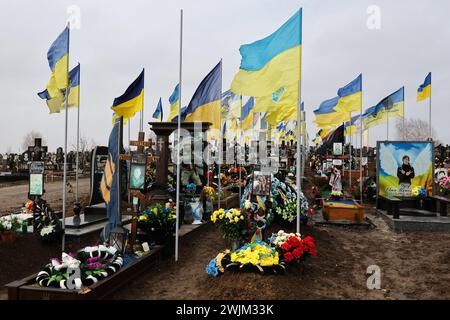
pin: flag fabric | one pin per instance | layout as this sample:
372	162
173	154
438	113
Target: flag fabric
174	101
158	111
74	88
350	97
231	103
424	91
326	115
350	126
58	60
280	106
336	135
58	102
132	101
109	183
271	63
247	114
371	118
393	105
205	105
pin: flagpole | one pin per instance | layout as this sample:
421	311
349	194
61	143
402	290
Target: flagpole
178	141
220	156
361	150
65	146
240	154
299	121
78	134
431	130
404	110
387	124
350	154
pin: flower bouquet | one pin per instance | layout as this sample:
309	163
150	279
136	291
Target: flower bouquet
292	248
336	196
256	256
8	227
444	185
419	192
93	264
47	223
158	222
232	223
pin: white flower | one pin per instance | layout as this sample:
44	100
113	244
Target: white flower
247	204
47	230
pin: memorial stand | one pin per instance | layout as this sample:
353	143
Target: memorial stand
138	159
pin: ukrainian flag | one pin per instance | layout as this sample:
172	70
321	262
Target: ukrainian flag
58	60
280	106
271	63
205	105
158	111
424	91
109	183
174	101
247	114
350	126
58	102
132	101
326	115
231	104
74	89
371	118
350	97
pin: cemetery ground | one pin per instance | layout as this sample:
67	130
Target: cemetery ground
13	195
413	266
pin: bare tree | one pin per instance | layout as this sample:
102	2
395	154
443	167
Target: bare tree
85	145
414	129
28	139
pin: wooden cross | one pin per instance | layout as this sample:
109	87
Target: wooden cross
141	144
38	149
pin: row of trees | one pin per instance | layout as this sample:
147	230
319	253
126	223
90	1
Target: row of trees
28	140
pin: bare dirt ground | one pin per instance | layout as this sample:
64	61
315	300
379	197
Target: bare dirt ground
413	266
14	196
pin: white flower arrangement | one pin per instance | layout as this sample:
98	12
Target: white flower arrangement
47	230
281	237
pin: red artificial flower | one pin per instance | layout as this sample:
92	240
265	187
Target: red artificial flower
286	246
294	241
297	253
313	252
288	256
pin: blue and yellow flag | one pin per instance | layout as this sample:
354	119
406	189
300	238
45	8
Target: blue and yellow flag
58	102
158	111
205	105
326	115
174	101
393	105
424	91
58	60
247	114
109	184
271	63
231	103
350	126
350	97
132	101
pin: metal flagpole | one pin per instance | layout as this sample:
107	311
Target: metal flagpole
299	121
240	154
361	150
220	157
431	130
179	137
350	155
65	147
404	129
141	124
387	124
78	135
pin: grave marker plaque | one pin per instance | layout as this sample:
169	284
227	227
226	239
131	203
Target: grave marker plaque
36	184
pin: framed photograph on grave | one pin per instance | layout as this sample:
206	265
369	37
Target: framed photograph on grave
138	165
261	183
337	149
403	167
36	184
337	162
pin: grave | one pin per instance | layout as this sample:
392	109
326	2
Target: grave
94	215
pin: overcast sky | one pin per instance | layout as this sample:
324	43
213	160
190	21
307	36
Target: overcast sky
117	39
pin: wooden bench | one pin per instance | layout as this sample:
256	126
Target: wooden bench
443	205
393	205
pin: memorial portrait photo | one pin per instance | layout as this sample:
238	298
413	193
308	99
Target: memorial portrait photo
137	176
403	166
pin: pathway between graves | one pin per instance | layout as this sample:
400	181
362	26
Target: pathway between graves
13	197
